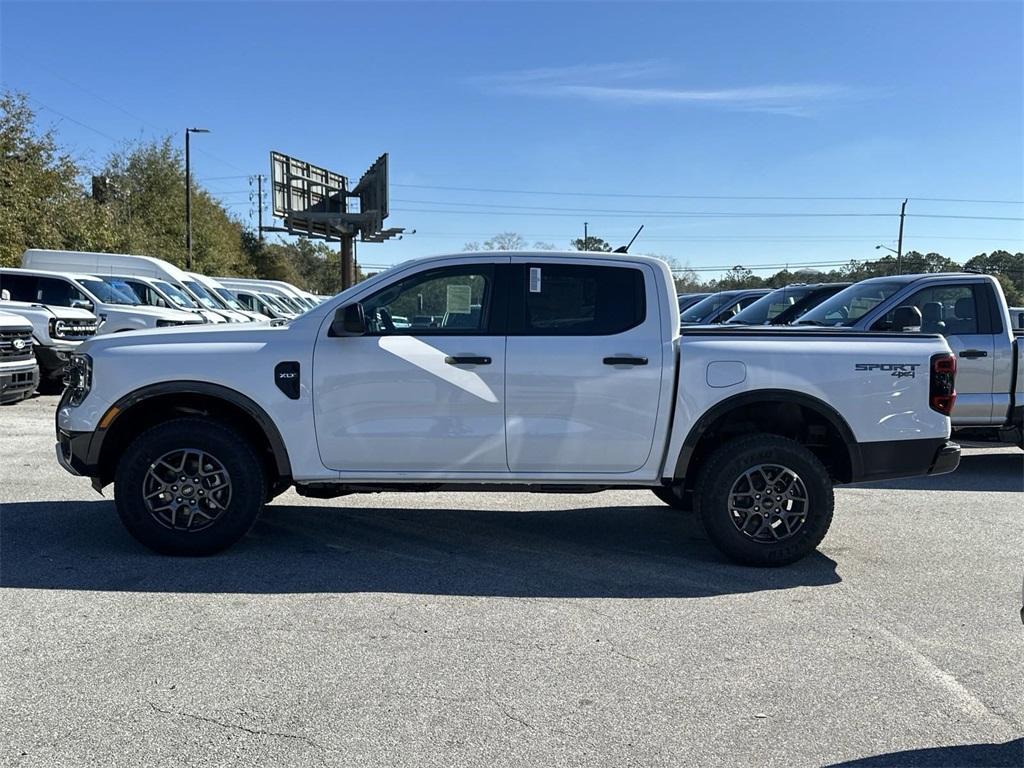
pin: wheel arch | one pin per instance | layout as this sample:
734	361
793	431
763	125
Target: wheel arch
150	405
796	415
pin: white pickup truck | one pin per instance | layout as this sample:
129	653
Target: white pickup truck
19	373
514	371
970	312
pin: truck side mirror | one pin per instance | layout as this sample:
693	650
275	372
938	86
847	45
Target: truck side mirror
906	317
349	321
81	304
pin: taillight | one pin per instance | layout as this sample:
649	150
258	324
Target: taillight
942	383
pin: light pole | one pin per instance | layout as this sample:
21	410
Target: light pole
188	196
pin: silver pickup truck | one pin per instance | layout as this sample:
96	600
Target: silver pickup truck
970	311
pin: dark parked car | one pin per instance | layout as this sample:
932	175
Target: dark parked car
687	300
784	305
721	306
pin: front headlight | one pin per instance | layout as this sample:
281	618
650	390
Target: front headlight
78	379
58	328
167	323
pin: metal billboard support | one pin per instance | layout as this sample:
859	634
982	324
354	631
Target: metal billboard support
313	201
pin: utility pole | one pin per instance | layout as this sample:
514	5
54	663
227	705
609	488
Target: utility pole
347	255
586	245
899	244
188	196
259	204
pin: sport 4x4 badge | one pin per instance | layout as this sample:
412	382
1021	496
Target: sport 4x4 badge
898	370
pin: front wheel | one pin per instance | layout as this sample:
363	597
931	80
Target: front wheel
189	487
764	500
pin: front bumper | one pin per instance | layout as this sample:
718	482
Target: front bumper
17	383
73	452
53	360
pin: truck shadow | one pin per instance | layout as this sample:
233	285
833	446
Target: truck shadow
625	552
1009	754
977	472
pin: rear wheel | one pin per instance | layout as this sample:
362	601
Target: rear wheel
189	487
764	500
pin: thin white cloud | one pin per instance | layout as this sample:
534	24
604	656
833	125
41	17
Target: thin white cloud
607	83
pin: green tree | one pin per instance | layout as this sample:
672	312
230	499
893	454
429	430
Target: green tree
739	277
1007	267
42	203
147	199
591	244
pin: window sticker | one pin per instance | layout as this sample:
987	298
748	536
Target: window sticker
459	299
534	279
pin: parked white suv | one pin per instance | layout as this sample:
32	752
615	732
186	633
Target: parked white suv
540	371
104	264
56	333
117	311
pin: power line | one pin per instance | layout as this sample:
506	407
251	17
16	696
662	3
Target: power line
710	214
565	193
657	214
118	107
76	122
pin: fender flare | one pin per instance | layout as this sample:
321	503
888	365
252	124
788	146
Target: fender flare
818	406
243	402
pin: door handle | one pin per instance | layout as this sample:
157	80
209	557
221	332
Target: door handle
467	360
625	360
970	354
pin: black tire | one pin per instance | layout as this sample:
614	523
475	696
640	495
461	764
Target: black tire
50	385
674	496
140	470
725	471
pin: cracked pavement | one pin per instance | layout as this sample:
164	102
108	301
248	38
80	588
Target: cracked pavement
510	630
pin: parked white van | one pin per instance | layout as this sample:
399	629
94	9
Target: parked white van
103	264
118	311
225	297
296	298
257	301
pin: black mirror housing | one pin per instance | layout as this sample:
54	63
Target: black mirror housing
349	321
906	317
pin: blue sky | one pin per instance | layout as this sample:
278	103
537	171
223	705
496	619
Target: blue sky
670	101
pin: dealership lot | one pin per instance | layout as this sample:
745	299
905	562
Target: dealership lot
511	629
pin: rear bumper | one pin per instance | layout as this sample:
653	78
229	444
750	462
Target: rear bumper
18	382
947	458
906	458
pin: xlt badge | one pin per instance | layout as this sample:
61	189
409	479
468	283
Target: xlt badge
286	376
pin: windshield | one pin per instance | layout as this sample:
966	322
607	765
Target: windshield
175	294
108	294
294	303
272	301
770	305
228	298
120	285
707	307
201	293
850	305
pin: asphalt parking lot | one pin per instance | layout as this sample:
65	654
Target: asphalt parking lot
510	629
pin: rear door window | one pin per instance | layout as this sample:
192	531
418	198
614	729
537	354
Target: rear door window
578	300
